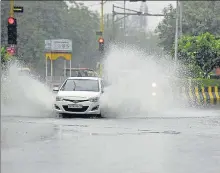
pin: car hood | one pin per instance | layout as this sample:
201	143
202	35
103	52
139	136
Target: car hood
79	95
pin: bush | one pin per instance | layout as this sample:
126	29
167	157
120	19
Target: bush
198	82
206	82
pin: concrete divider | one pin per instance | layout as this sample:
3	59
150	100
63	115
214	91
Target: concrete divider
202	95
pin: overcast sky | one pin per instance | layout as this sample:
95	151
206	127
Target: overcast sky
153	6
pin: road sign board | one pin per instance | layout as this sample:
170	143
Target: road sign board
99	33
58	45
48	44
63	45
18	9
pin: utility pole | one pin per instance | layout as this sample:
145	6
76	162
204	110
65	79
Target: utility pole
113	21
102	17
11	13
126	14
124	21
181	17
176	33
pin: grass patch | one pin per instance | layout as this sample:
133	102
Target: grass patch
197	82
206	82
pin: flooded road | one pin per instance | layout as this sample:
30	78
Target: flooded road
131	145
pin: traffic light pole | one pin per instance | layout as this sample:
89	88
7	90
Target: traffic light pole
11	8
126	14
102	17
12	28
101	39
12	48
124	19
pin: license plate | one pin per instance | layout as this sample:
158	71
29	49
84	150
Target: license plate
75	106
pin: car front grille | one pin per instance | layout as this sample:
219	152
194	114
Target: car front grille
83	109
75	101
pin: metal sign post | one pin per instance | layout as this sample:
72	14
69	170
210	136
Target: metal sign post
58	48
18	9
64	70
46	68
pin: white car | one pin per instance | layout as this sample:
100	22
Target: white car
79	96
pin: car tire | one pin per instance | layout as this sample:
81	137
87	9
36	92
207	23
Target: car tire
60	115
63	116
99	116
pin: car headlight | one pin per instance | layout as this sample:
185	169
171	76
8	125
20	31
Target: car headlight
94	99
154	85
59	98
154	94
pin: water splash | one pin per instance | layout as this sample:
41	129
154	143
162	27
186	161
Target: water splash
130	73
24	95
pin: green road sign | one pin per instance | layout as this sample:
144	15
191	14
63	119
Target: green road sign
99	33
18	9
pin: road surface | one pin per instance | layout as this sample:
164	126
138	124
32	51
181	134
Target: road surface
181	144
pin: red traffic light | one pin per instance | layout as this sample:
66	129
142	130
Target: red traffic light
11	20
11	50
101	40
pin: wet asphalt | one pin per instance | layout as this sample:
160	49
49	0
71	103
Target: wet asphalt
153	144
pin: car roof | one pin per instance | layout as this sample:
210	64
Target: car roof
79	69
21	69
86	78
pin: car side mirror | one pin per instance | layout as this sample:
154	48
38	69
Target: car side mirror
56	89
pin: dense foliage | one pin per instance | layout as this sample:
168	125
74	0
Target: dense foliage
201	51
43	20
198	17
4	56
198	49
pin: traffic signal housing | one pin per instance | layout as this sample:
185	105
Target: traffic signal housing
12	31
101	44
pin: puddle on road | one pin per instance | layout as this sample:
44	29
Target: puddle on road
16	134
107	131
136	133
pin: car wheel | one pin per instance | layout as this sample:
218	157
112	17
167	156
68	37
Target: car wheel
63	115
99	116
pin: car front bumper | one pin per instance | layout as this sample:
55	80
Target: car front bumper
61	107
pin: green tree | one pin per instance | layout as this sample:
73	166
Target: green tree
44	20
4	56
198	17
201	51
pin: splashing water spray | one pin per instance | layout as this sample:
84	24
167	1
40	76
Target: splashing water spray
140	85
23	95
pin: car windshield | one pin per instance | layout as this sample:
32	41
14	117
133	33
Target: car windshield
81	85
81	73
23	72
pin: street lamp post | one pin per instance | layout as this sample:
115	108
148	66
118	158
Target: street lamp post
124	20
181	17
176	33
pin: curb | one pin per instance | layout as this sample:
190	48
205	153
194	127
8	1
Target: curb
202	95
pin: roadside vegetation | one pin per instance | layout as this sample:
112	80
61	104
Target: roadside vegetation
198	47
